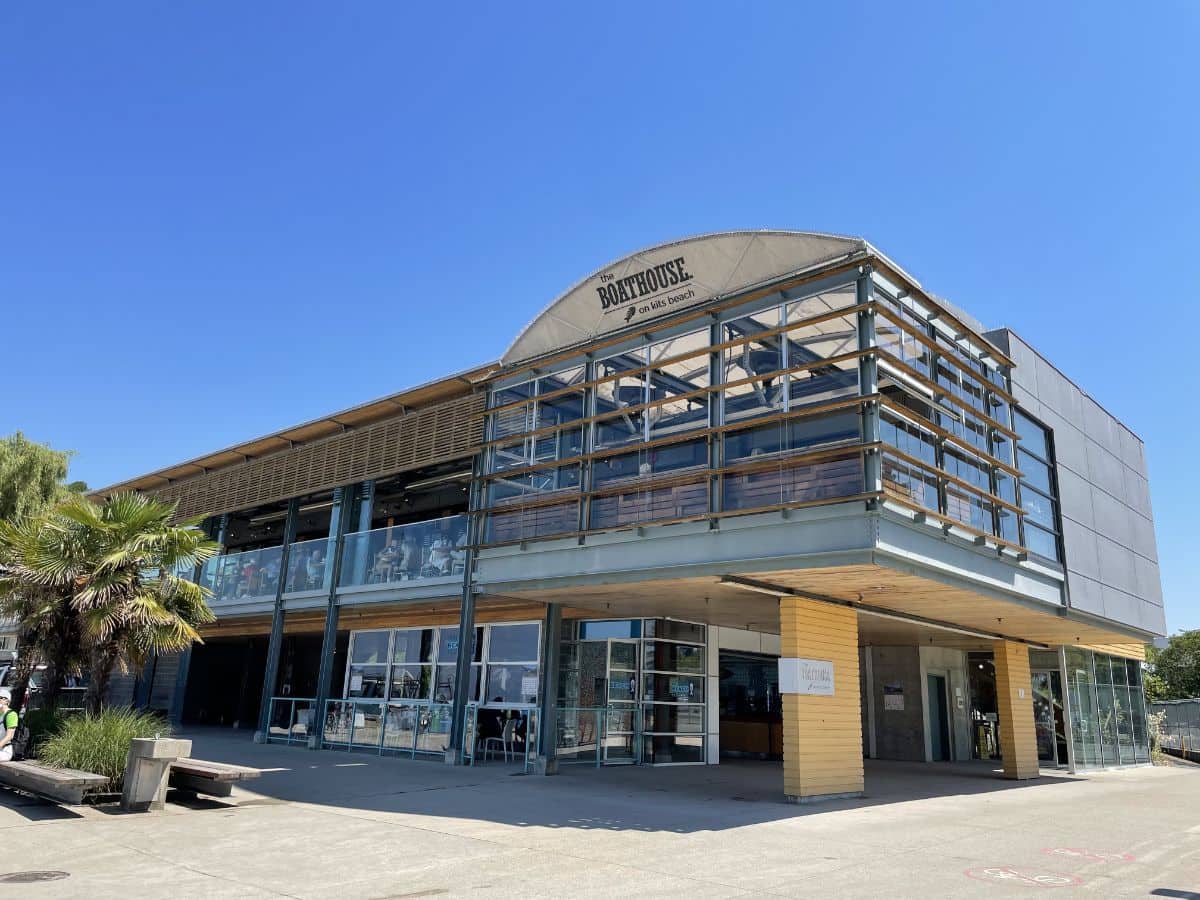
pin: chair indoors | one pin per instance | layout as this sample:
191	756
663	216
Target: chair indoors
506	741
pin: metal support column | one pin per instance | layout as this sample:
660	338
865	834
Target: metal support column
868	383
466	619
547	758
275	642
716	451
343	520
1068	728
175	708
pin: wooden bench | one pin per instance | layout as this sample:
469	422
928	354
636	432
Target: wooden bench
67	786
215	779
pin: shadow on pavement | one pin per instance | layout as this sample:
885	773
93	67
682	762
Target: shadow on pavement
685	798
32	809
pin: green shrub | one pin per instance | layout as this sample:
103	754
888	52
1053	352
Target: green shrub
100	743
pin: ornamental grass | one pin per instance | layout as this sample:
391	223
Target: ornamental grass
100	743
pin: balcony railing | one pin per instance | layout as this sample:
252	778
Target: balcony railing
404	553
310	565
243	576
398	554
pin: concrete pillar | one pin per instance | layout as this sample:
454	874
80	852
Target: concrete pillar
1014	701
819	683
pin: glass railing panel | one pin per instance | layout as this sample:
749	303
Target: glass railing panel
579	733
310	565
353	723
245	575
291	720
433	727
400	726
404	553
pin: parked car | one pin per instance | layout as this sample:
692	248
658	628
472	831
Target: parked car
70	698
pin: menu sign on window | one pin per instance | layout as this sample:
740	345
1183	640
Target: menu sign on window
813	677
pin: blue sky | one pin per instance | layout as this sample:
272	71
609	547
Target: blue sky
220	219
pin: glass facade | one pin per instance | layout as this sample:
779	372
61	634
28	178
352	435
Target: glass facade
778	402
1039	489
399	553
1107	707
946	423
418	664
756	411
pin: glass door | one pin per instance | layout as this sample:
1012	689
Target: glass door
620	743
1048	722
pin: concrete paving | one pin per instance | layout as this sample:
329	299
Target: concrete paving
355	825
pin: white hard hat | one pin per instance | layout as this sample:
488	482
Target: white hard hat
6	693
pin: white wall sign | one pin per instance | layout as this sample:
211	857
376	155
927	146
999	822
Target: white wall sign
806	676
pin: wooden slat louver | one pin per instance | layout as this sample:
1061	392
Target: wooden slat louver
440	433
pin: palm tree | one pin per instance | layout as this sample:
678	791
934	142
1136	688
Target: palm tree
105	585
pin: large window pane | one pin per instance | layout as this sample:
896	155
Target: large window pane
909	483
667	657
813	343
370	646
1034	471
1040	541
655	461
512	684
1033	435
515	643
672	379
448	645
413	645
367	681
505	396
758	360
411	682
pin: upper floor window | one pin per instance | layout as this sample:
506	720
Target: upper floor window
1039	491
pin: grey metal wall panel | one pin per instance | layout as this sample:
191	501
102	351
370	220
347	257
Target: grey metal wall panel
1084	554
1056	392
1112	518
1027	401
1137	492
1144	543
1148	581
1116	565
1105	469
1075	494
1121	606
1154	618
1108	528
1133	453
1100	426
1070	446
1085	593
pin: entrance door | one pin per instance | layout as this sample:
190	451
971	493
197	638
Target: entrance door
1048	723
620	743
939	720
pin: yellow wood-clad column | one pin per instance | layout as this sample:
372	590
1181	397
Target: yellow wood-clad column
822	735
1014	699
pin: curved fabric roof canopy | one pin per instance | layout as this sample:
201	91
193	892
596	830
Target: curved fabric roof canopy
670	277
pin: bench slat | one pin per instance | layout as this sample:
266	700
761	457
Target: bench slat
216	771
57	776
64	785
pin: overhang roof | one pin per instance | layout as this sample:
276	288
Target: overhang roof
422	395
667	278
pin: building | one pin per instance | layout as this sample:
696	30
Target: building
752	493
